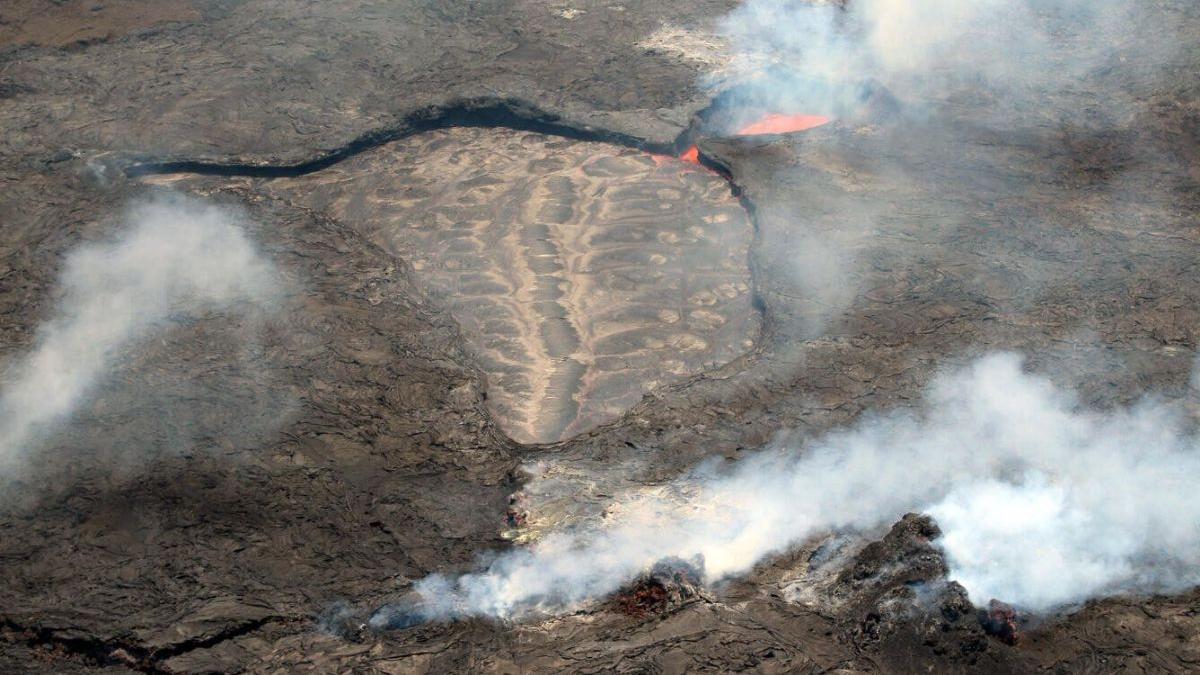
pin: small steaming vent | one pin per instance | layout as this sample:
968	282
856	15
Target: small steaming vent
671	582
1001	621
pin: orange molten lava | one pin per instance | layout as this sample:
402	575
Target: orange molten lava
692	155
775	123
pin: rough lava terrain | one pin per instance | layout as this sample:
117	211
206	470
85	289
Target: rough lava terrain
218	507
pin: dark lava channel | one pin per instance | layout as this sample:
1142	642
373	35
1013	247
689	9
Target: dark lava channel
482	112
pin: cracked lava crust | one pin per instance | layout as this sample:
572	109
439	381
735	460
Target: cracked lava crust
583	274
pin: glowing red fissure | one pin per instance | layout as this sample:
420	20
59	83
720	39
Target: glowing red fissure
771	123
775	123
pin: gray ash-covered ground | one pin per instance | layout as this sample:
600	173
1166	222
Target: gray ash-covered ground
209	511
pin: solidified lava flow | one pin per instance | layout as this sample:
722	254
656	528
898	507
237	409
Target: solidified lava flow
775	123
582	274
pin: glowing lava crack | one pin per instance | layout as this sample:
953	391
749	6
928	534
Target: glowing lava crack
772	123
783	124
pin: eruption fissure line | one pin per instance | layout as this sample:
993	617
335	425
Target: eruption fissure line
775	123
487	113
769	124
483	112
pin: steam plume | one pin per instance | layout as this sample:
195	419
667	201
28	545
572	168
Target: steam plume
814	56
177	255
1041	502
1014	64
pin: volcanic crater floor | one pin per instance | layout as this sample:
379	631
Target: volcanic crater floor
434	276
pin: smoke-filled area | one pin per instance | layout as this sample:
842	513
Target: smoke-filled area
175	257
1042	503
1033	70
817	56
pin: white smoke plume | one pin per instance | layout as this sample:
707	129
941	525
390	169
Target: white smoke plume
798	56
1042	503
1012	64
176	255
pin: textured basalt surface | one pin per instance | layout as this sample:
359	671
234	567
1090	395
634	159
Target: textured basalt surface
582	274
76	23
157	535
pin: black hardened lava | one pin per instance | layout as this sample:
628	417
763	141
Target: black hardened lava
482	112
102	653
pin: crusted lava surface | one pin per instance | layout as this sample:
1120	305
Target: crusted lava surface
582	274
203	512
